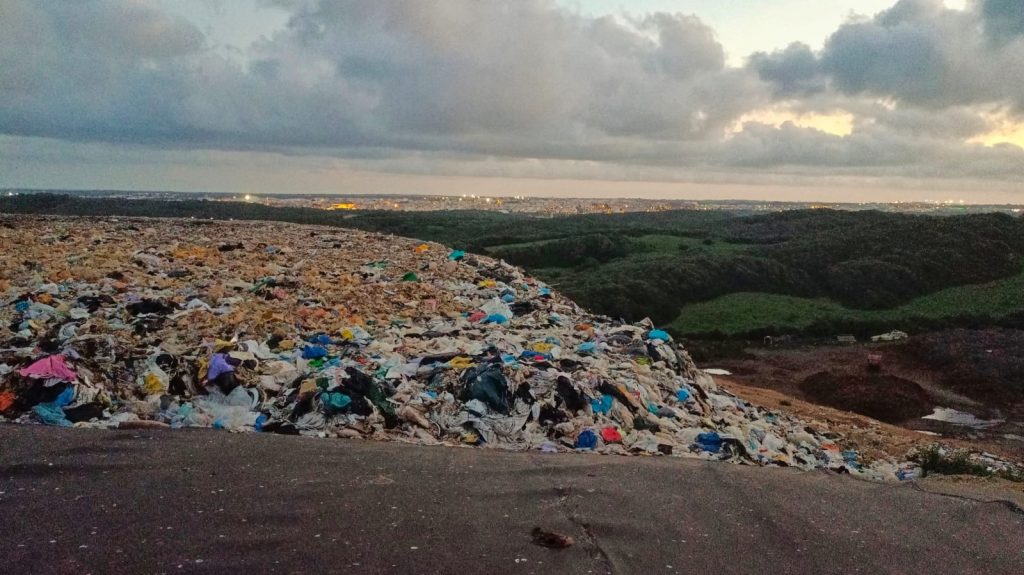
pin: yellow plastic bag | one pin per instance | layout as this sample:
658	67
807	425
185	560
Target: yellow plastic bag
461	362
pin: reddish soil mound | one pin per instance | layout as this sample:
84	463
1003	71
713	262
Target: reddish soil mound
883	397
986	365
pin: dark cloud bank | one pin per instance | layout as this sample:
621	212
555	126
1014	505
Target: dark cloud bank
521	79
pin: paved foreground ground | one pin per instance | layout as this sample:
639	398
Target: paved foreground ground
86	501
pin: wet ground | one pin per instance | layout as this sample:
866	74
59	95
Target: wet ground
88	501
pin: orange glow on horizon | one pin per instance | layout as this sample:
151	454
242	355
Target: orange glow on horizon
1007	131
838	123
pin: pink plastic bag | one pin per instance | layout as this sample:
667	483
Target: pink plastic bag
52	367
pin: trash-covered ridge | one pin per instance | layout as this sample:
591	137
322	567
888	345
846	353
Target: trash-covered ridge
320	331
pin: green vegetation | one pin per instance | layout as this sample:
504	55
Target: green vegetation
592	249
741	313
703	273
746	313
663	243
934	460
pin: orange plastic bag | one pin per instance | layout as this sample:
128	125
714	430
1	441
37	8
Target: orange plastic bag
6	400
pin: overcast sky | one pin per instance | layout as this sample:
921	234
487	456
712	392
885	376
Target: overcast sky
784	99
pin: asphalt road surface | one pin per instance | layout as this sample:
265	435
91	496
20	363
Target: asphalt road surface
87	501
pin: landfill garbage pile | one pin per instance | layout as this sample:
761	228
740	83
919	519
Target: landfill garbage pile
307	330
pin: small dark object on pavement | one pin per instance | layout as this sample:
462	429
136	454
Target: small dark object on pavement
551	539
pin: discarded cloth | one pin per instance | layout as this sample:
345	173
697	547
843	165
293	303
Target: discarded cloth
52	368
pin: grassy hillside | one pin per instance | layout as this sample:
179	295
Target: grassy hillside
745	313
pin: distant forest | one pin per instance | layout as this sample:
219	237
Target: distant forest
638	265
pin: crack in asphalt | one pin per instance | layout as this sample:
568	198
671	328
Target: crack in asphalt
590	536
1013	507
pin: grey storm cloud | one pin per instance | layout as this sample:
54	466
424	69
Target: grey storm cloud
520	78
875	150
438	82
1004	19
957	123
917	52
89	70
792	72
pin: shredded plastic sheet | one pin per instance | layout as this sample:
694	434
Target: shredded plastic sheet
52	368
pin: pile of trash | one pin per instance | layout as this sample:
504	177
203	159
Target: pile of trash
290	329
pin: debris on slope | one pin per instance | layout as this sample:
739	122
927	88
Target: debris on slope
337	333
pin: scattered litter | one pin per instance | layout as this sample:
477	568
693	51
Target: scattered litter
551	539
716	371
330	333
895	335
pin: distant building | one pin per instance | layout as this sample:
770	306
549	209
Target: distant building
846	339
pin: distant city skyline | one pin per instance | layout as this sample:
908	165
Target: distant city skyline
790	100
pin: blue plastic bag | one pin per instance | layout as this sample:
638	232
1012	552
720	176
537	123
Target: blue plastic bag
658	334
587	439
602	405
52	413
314	352
335	401
710	442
